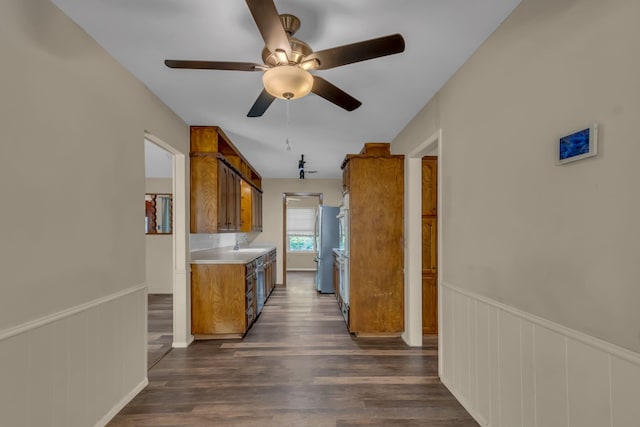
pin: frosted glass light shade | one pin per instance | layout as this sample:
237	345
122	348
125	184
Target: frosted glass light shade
287	82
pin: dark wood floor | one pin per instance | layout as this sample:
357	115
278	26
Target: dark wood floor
160	327
297	366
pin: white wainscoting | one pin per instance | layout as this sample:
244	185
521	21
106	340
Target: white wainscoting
75	368
509	368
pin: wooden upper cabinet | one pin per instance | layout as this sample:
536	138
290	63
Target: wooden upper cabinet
429	185
233	201
246	207
250	208
204	194
257	210
223	195
217	172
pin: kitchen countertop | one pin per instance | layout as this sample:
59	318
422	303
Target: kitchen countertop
227	255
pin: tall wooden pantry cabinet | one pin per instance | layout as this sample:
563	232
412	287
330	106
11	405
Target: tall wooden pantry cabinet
374	180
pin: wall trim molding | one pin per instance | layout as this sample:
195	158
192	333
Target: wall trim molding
613	349
45	320
122	403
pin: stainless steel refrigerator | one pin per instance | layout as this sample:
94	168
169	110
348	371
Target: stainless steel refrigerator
327	238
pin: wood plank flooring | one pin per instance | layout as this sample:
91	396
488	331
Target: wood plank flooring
160	327
297	366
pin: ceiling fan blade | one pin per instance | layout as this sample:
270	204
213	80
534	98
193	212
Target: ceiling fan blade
214	65
356	52
262	103
266	16
332	93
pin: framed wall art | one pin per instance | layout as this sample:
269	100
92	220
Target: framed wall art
578	145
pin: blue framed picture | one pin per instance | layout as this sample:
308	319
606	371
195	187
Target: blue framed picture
578	145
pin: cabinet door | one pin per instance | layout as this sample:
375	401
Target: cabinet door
246	202
429	304
274	268
223	188
256	210
429	185
429	245
233	201
259	222
204	197
429	276
218	298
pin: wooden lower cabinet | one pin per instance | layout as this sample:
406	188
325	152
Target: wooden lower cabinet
224	297
270	272
218	300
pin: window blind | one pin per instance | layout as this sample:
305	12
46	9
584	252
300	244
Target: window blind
301	221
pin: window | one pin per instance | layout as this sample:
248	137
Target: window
301	223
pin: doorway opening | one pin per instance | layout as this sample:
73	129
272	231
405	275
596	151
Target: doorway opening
180	316
298	236
158	166
432	146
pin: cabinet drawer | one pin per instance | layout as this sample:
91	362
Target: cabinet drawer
250	267
250	282
345	312
250	316
250	298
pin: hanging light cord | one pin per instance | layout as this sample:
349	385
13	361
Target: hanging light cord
288	146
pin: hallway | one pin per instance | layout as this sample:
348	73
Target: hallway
297	366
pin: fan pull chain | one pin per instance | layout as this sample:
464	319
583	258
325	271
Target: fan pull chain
288	145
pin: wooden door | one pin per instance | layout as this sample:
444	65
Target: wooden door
429	245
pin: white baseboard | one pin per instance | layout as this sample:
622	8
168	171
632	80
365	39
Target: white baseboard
183	344
123	402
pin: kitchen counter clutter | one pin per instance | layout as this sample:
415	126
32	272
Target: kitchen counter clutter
227	255
229	289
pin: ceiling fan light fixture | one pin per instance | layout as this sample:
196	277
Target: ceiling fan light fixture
287	82
309	64
282	56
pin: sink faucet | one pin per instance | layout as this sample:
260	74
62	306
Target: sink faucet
237	245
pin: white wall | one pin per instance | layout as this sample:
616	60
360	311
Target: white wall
525	236
159	247
272	199
73	298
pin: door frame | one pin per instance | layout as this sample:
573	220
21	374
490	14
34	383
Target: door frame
284	227
181	287
413	240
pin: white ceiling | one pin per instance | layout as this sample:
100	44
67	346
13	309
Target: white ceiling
440	35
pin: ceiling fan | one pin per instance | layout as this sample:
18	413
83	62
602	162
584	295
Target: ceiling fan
287	60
